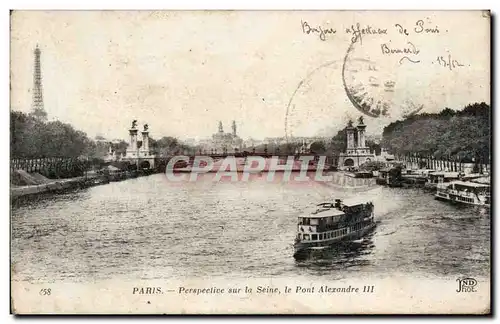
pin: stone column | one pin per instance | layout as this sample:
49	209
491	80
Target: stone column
350	137
145	141
361	135
133	139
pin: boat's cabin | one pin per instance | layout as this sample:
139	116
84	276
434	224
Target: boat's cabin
316	226
422	172
331	220
384	172
357	208
443	177
325	216
329	216
390	172
476	188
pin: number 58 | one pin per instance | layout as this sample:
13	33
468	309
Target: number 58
45	292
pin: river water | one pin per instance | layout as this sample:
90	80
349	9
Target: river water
152	228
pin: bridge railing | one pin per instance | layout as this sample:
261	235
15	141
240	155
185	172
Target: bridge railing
51	167
417	162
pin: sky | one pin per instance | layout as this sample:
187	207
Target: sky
183	72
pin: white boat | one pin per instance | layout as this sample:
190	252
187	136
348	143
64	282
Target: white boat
464	192
331	223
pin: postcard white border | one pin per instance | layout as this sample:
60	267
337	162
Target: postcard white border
185	4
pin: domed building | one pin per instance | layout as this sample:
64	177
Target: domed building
224	143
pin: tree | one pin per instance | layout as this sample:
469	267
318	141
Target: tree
168	146
339	142
459	135
31	137
374	147
372	166
318	148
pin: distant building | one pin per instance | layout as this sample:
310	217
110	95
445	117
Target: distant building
302	142
222	143
189	141
112	155
385	156
100	139
275	140
251	143
305	148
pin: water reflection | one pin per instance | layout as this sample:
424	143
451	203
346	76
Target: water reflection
48	199
342	255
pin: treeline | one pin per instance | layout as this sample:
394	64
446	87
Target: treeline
336	145
33	138
462	135
168	146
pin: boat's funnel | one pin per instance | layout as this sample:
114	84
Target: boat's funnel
338	203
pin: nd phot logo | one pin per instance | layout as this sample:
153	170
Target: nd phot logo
467	285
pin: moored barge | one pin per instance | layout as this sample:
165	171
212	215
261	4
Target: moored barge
464	192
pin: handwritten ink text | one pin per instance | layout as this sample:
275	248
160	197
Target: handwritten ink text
307	29
358	32
410	49
448	62
419	28
401	29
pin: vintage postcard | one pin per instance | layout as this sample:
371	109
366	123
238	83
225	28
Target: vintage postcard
250	162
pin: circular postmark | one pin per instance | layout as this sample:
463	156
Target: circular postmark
318	78
377	86
320	99
381	85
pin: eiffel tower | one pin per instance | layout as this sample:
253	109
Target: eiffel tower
37	109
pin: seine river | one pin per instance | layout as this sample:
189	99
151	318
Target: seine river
151	228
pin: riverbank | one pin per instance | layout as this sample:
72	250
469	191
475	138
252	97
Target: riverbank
41	185
55	186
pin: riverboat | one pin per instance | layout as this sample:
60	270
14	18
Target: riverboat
413	181
464	192
436	178
390	176
331	223
363	174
